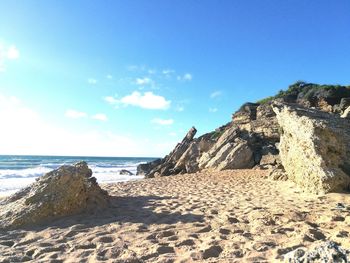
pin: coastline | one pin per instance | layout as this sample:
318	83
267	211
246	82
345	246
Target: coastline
227	216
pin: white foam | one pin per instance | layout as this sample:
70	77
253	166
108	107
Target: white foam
29	172
14	180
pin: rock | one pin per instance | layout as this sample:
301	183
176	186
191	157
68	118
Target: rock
181	147
65	191
229	135
246	113
314	148
344	104
167	165
278	174
145	168
320	252
125	172
270	159
189	160
346	114
234	155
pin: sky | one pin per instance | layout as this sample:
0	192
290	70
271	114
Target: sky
130	78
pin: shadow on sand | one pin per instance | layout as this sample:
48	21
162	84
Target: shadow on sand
137	209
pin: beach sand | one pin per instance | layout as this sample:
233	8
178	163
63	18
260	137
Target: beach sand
230	216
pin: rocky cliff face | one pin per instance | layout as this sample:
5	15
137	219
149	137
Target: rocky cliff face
314	148
252	139
67	190
243	143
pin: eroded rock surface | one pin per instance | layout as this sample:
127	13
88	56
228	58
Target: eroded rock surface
314	148
67	190
321	252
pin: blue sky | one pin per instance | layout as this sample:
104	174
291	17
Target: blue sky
129	78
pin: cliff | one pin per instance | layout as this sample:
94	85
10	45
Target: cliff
254	139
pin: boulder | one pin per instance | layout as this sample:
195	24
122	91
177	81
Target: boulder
125	172
65	191
324	251
314	148
145	168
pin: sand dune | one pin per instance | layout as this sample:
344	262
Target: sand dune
230	216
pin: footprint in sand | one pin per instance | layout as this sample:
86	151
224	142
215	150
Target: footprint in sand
105	239
187	242
165	250
212	252
204	230
224	231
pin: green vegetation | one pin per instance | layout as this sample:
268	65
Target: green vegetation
311	92
265	100
216	134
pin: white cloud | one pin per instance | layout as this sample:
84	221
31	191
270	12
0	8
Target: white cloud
143	81
173	134
26	132
92	81
148	100
109	76
111	100
100	117
213	110
12	53
215	94
73	114
185	77
162	121
7	53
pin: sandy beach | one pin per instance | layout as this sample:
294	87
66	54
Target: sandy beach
230	216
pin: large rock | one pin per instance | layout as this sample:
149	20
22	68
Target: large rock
145	168
327	251
189	160
65	191
228	135
314	148
168	165
235	155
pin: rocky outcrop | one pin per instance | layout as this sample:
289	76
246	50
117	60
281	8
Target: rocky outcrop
168	165
67	190
319	252
252	138
146	168
314	148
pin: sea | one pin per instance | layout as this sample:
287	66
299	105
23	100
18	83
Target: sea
17	172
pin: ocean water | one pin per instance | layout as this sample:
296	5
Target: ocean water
17	172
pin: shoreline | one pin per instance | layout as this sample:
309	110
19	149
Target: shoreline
227	216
